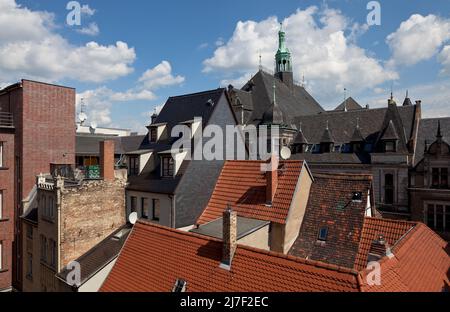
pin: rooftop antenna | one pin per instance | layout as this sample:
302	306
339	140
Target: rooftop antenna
82	115
303	81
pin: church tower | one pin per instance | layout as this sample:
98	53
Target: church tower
283	62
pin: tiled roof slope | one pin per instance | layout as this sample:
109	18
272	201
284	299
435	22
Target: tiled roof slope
154	257
392	231
350	103
330	205
242	184
421	263
427	132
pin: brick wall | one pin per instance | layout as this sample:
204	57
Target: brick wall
7	219
88	215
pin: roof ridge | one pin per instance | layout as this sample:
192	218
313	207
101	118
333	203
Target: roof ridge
341	176
197	93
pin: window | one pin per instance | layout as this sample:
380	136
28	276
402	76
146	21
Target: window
439	178
438	216
47	207
30	266
180	286
155	209
323	233
167	167
153	135
133	168
389	189
133	204
144	207
1	154
1	204
389	146
29	231
52	244
43	249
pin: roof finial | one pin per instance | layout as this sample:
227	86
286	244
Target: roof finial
260	61
328	128
345	99
300	127
303	81
407	95
439	134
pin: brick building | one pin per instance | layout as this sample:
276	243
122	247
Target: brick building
6	197
57	229
44	139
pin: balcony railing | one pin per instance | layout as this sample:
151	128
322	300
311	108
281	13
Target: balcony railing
6	120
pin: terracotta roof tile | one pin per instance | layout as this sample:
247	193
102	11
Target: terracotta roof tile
330	205
392	231
243	185
154	257
421	263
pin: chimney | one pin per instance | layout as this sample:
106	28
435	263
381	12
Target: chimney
271	178
107	160
153	117
229	237
378	249
418	102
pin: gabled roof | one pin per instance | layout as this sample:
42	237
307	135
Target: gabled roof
349	104
169	254
242	184
330	205
390	133
391	230
293	103
420	263
327	137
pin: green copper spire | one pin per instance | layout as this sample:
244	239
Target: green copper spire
283	57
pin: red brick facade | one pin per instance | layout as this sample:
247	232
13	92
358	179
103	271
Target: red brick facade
44	120
7	213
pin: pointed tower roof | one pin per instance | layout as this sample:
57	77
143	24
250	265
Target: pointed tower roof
390	133
357	135
300	137
407	100
273	115
327	136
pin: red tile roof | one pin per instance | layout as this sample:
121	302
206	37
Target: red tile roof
154	257
243	185
421	263
392	230
330	205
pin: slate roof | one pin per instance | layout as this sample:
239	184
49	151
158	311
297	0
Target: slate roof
421	263
32	215
100	255
342	124
242	184
391	230
257	96
178	109
427	132
350	103
196	259
330	205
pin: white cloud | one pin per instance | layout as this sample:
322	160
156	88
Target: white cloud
91	30
322	47
444	58
160	76
31	47
418	38
99	101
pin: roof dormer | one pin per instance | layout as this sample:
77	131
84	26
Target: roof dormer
156	132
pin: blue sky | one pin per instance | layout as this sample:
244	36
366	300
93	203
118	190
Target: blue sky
174	47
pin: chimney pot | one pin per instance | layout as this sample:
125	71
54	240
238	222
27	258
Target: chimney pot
418	102
229	237
107	160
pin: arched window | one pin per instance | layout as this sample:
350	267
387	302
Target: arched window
389	189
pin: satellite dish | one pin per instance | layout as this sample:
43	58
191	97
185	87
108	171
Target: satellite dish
133	217
82	117
285	153
93	127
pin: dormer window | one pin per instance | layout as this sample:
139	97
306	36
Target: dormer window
168	166
390	146
323	234
153	135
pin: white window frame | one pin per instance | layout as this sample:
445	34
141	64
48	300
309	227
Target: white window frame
1	154
1	255
1	204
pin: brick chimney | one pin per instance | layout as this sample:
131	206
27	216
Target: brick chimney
271	178
379	249
229	237
107	160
